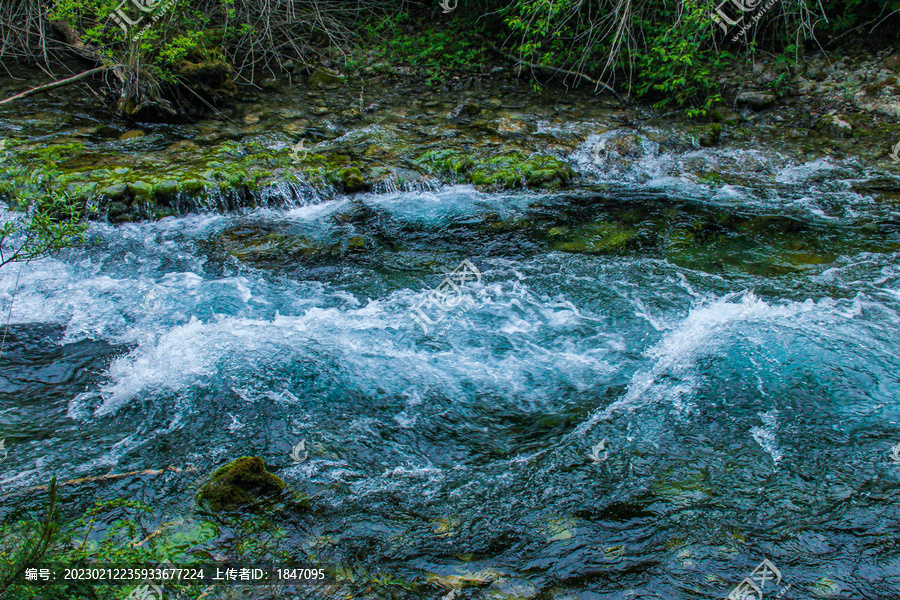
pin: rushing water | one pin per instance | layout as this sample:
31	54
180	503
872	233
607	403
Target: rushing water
734	368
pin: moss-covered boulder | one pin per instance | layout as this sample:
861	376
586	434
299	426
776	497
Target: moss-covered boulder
706	135
546	172
244	482
352	180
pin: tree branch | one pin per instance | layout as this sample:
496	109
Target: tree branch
46	88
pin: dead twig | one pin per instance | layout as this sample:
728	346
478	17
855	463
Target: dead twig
56	84
107	477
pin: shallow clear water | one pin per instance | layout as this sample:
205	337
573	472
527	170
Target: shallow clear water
744	381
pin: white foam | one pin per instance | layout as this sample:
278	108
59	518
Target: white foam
766	437
673	376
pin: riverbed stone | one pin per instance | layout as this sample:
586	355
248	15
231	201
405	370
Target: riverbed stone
141	190
835	125
464	113
757	100
183	146
241	483
324	78
133	134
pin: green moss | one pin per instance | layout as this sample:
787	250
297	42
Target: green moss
240	483
507	170
447	161
356	244
114	191
547	172
598	238
352	180
141	190
166	189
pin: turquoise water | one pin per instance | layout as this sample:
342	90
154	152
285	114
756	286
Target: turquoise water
737	357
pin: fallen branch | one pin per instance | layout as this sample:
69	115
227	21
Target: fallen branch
597	83
107	477
50	86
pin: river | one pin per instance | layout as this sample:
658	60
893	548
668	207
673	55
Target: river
653	383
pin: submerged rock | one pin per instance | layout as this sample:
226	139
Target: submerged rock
240	483
595	238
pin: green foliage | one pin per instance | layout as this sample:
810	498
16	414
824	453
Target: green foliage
44	218
36	540
679	65
108	534
671	57
435	51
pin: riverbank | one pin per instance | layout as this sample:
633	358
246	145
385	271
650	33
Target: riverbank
329	134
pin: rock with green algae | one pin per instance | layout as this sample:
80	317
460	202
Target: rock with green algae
338	170
325	78
595	238
446	161
501	171
508	170
271	246
352	180
546	172
244	482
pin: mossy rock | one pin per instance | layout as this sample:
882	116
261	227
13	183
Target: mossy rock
501	171
324	78
356	244
547	172
166	189
707	135
447	161
141	190
114	191
352	180
598	238
244	482
270	246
